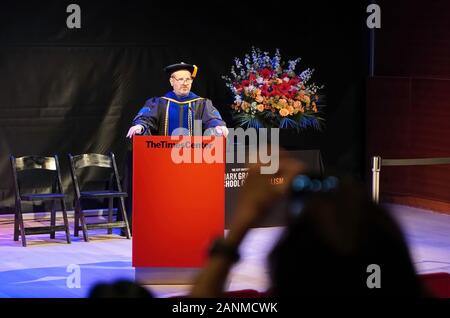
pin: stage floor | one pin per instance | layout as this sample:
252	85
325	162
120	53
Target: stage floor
44	268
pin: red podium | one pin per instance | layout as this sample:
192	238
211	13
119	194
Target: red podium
178	205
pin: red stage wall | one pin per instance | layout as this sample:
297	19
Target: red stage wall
408	101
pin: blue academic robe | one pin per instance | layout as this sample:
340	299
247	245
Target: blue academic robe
161	115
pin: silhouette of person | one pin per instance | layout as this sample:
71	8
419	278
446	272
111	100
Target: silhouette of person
119	289
337	241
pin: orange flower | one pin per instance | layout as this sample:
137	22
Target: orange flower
284	112
259	99
306	99
291	110
260	107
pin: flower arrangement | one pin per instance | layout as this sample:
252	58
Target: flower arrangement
268	93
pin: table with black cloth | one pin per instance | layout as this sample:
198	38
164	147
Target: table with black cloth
235	173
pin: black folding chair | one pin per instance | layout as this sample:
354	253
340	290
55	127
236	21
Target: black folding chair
19	166
114	191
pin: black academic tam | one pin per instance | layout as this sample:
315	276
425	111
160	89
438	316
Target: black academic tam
181	66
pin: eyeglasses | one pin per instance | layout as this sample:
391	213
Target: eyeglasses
183	80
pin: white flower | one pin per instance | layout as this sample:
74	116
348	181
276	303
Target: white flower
286	79
233	72
238	63
259	80
292	64
306	74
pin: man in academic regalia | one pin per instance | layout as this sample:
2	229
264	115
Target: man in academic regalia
178	108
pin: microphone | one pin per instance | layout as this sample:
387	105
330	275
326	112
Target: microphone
191	118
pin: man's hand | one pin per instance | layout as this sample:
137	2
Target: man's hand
222	131
136	129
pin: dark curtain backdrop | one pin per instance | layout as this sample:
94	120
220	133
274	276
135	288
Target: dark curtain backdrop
76	90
